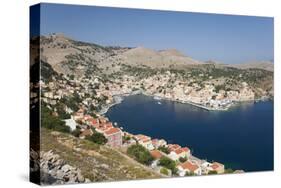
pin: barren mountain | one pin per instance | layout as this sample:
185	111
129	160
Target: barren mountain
68	56
265	65
152	58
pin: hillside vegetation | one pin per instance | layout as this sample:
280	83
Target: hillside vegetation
100	163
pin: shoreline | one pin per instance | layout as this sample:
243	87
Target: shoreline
117	99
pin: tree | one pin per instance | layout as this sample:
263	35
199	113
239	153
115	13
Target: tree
97	138
61	111
76	132
164	149
126	138
182	159
168	163
140	154
52	122
213	172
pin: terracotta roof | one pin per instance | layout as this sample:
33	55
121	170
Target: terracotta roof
156	154
215	165
173	147
94	121
189	166
112	131
186	149
178	151
142	138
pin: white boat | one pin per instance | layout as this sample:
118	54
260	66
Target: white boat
156	98
159	103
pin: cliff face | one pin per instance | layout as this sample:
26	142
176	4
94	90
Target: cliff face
73	160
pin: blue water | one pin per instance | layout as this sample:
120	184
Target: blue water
241	138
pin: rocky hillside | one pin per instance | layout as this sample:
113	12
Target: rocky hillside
71	57
55	170
100	163
265	65
163	59
68	56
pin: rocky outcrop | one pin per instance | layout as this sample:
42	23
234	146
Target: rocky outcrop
54	170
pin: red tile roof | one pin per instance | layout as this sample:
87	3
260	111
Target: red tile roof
142	138
179	151
215	165
186	149
112	131
156	154
189	166
173	147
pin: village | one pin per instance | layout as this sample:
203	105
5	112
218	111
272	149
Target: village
187	164
102	95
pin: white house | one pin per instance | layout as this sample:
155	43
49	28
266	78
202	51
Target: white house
188	167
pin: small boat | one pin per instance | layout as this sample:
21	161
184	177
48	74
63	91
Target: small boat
159	103
156	98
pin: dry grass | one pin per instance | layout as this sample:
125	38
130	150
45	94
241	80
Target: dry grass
98	163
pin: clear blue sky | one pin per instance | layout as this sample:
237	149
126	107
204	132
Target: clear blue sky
225	38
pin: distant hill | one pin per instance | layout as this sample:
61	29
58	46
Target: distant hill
69	56
265	65
153	58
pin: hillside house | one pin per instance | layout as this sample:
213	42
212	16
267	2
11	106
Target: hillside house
114	137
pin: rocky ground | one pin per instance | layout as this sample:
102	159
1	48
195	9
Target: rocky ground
54	170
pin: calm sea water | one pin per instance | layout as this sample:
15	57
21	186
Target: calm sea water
241	138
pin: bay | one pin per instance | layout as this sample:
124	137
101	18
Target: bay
240	138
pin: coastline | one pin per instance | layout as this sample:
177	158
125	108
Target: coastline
117	99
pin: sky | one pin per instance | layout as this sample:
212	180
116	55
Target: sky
223	38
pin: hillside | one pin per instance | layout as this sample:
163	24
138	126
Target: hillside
100	163
78	58
265	65
163	59
69	56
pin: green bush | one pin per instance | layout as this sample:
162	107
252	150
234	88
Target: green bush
164	149
182	159
140	153
97	138
213	172
168	163
164	171
52	122
76	132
